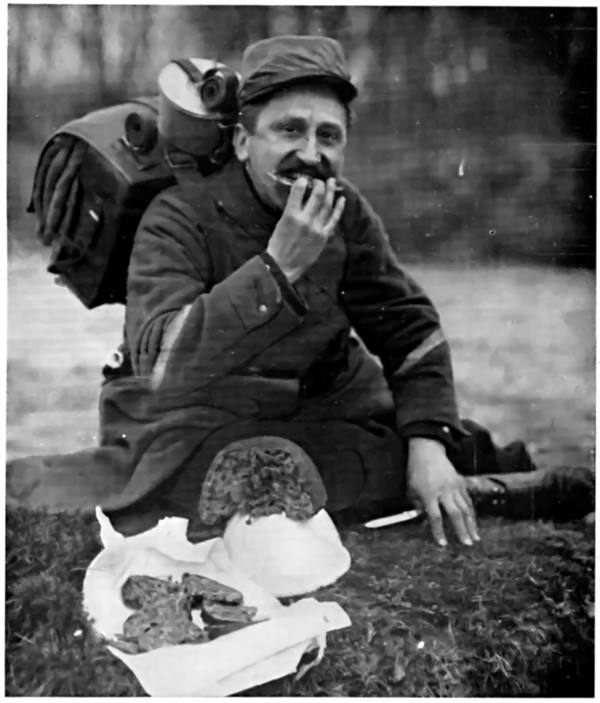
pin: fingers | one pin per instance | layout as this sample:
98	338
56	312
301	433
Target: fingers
316	201
461	515
319	208
328	199
335	215
297	192
436	522
463	500
457	518
320	200
328	215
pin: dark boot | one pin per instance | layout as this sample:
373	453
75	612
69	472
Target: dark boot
561	494
478	454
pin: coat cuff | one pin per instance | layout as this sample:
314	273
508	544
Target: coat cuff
291	296
445	434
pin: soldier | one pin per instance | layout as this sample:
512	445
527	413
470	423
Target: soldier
243	291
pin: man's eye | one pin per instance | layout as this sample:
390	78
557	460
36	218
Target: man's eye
290	129
329	137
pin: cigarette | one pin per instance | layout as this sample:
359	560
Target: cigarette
393	519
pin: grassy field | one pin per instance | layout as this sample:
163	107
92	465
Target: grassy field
511	617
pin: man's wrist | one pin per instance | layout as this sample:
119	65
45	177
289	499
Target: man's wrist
292	275
425	444
446	434
423	451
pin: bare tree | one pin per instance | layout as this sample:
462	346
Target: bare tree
91	41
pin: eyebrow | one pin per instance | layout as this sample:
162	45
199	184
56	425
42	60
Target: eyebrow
296	119
287	119
331	125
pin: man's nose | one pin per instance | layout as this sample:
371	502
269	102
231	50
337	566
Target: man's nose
310	153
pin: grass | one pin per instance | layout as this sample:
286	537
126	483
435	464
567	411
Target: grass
512	617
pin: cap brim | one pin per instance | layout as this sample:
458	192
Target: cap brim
346	90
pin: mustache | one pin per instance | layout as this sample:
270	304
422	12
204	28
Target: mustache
323	171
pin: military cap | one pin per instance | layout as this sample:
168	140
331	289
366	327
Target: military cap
272	64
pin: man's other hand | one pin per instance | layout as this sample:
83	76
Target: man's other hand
304	229
435	484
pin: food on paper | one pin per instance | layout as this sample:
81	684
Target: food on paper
161	624
218	614
139	591
210	590
165	610
269	647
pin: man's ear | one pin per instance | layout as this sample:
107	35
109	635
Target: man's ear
240	142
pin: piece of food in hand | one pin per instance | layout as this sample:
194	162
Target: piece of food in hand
217	613
139	591
209	590
289	180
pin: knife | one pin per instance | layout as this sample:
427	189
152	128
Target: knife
393	519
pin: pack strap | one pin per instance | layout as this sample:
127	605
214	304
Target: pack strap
191	70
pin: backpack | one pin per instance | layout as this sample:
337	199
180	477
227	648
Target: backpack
96	176
91	187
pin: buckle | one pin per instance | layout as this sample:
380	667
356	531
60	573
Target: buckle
180	160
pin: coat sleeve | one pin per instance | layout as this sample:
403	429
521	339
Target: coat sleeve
399	324
183	328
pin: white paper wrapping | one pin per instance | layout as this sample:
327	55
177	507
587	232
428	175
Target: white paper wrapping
287	557
231	663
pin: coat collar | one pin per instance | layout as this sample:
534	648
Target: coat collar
234	193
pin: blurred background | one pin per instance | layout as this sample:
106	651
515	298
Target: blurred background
474	139
475	127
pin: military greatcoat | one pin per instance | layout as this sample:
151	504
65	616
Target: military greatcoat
348	362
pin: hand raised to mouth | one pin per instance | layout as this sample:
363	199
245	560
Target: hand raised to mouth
305	227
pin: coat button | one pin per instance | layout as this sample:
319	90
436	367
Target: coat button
262	308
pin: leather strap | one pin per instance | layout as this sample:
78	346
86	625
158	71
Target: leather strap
191	70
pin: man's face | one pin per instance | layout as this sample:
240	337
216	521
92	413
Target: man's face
300	131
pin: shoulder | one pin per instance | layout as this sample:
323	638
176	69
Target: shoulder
179	201
171	227
180	215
